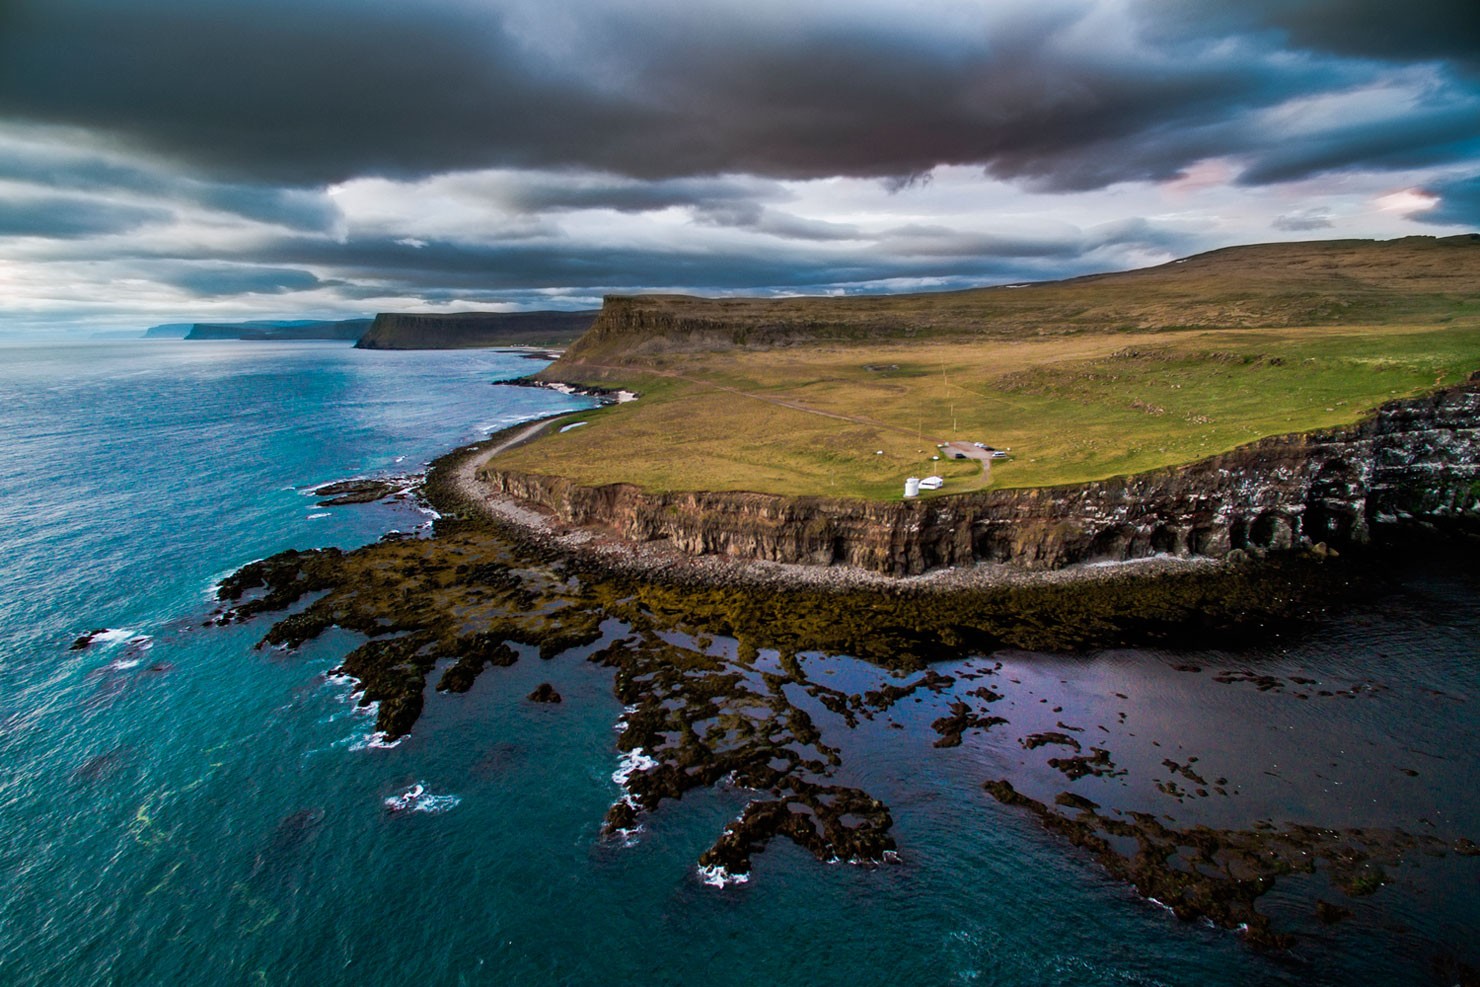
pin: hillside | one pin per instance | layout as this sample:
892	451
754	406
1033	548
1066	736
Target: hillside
1412	280
1082	380
465	330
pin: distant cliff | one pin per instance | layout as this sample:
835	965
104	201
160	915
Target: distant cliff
1415	459
346	329
465	330
172	330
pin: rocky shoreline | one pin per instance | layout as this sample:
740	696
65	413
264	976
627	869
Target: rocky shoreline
759	715
716	660
456	490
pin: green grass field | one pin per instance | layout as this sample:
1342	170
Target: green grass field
1072	408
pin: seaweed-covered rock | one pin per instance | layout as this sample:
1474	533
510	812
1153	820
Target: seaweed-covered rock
544	693
1219	874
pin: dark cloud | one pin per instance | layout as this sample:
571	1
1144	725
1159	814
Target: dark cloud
297	91
221	280
297	209
1419	137
753	216
371	266
308	92
1318	218
377	266
61	218
1459	203
77	170
1440	30
556	192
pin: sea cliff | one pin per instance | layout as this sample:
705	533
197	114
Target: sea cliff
466	330
1412	460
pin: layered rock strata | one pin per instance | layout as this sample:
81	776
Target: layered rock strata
1413	459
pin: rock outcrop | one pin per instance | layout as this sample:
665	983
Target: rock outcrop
1413	459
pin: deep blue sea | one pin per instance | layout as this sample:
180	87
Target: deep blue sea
177	807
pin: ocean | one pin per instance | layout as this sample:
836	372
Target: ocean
177	806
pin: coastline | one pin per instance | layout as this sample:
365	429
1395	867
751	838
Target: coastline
1412	463
512	582
453	488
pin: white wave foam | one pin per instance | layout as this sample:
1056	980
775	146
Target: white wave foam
418	799
376	741
135	649
621	725
313	517
110	637
215	585
718	877
631	763
437	803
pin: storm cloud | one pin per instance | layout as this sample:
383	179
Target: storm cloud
57	217
332	154
317	91
1457	203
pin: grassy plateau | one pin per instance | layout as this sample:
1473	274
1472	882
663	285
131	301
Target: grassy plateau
1115	374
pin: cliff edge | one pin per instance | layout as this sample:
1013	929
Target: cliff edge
1414	460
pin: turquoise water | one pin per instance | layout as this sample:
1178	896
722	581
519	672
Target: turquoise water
177	807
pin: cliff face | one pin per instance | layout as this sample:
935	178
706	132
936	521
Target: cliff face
1417	458
345	329
461	330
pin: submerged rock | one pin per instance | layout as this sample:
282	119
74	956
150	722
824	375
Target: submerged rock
694	718
544	693
345	492
1219	874
85	641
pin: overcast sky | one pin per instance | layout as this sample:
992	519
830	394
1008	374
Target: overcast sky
183	160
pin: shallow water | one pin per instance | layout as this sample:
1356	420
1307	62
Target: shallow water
178	806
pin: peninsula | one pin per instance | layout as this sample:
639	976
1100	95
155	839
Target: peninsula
1250	398
1224	441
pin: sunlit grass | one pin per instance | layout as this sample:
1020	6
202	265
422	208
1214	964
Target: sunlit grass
1072	409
